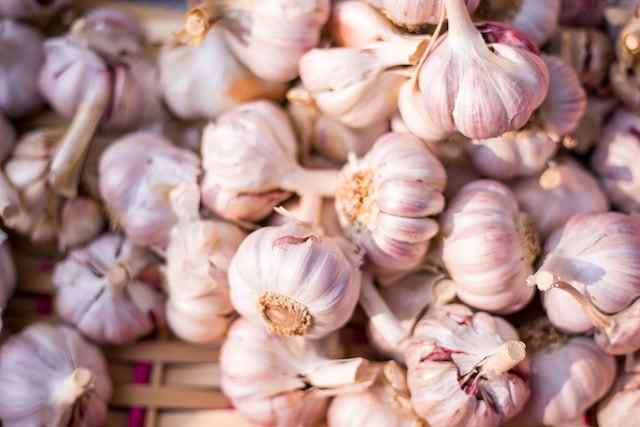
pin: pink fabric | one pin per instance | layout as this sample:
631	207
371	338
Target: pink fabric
141	375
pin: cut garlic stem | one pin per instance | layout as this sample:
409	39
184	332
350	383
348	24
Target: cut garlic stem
74	386
67	163
321	182
340	373
462	32
311	210
504	359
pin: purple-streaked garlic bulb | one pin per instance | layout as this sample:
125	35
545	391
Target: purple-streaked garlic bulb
590	276
614	161
621	405
589	131
22	58
358	85
96	79
587	50
414	14
385	202
489	246
186	72
198	257
566	374
304	284
51	376
98	291
285	381
45	216
8	276
464	368
39	12
385	404
582	13
538	19
327	136
259	134
137	174
408	300
488	79
563	190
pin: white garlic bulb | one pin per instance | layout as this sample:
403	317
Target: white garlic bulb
621	405
50	376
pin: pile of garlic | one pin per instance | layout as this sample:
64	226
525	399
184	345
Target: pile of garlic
452	181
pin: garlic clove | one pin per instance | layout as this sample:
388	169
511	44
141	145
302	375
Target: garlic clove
622	401
356	24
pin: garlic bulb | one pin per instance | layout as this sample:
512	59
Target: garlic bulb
45	216
613	161
137	174
566	375
495	79
35	11
50	376
413	14
591	280
294	281
257	134
563	190
284	381
98	292
464	369
186	72
385	202
582	13
489	246
358	86
21	61
198	258
385	404
8	276
621	404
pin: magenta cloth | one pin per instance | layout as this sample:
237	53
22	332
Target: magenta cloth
44	305
141	375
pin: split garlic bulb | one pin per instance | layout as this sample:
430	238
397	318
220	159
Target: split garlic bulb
590	276
284	381
489	246
567	375
622	403
495	79
563	190
137	174
8	276
50	376
464	369
385	404
22	59
294	281
614	161
98	291
198	258
40	12
186	72
413	14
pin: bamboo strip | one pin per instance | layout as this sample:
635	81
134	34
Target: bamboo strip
160	351
168	397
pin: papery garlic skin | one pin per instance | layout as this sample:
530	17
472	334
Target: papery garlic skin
620	406
8	275
187	72
489	246
35	11
51	376
563	190
452	343
294	281
98	292
137	173
481	104
566	379
613	161
385	202
281	29
413	14
23	57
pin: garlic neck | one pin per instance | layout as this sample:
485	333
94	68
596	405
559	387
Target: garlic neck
529	235
118	276
283	315
462	32
72	388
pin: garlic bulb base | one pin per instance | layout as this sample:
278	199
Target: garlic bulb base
77	384
283	315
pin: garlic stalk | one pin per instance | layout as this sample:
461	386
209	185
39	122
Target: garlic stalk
489	246
8	275
285	381
51	376
34	11
622	403
98	291
385	202
198	258
414	14
137	174
590	279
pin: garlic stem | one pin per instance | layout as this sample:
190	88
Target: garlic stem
283	315
118	276
311	210
321	182
67	163
379	313
80	380
462	32
504	359
10	203
550	179
340	373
